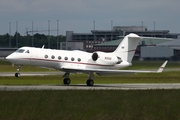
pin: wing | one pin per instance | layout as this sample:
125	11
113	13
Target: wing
111	71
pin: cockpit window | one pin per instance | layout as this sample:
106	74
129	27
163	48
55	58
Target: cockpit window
20	50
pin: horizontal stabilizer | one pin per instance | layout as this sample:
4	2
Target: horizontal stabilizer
148	38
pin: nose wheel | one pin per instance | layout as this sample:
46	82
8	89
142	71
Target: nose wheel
18	71
17	74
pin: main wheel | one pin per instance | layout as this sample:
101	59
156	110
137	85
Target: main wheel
66	81
17	74
90	82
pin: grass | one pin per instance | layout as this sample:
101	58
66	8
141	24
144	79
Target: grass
91	104
165	77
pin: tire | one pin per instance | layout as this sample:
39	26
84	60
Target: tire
17	74
66	81
90	82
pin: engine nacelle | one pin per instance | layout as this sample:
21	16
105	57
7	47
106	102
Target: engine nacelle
106	58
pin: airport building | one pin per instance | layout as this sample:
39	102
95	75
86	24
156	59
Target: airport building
108	35
101	36
168	50
108	40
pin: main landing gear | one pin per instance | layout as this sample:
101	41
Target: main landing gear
66	80
89	82
17	74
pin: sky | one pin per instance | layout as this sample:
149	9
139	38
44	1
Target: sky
80	15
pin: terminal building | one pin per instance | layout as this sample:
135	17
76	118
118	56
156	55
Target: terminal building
108	35
108	40
100	36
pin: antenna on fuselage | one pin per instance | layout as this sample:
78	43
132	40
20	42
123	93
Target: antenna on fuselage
43	46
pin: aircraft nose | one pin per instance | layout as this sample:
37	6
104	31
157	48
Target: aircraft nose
12	58
9	58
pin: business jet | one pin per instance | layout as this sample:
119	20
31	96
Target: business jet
79	61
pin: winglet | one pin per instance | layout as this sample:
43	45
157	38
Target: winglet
162	67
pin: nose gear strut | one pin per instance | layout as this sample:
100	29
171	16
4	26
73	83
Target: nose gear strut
17	74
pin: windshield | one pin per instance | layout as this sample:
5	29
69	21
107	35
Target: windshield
20	50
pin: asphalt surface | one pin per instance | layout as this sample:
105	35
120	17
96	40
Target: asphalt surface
82	86
95	87
31	73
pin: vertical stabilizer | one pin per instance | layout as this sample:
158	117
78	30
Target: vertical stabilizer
127	47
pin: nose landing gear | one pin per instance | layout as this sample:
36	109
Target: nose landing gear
18	71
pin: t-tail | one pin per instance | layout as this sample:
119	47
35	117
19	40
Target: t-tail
127	47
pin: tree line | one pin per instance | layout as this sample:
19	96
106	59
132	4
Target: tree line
37	40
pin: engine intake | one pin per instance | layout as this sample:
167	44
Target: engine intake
106	58
94	56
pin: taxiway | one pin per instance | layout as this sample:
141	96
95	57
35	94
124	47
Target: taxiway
31	73
81	86
95	87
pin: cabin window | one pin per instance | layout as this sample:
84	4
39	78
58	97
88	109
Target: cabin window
66	58
52	56
79	59
72	59
46	56
59	57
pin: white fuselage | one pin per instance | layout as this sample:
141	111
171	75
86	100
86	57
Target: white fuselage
58	58
98	62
